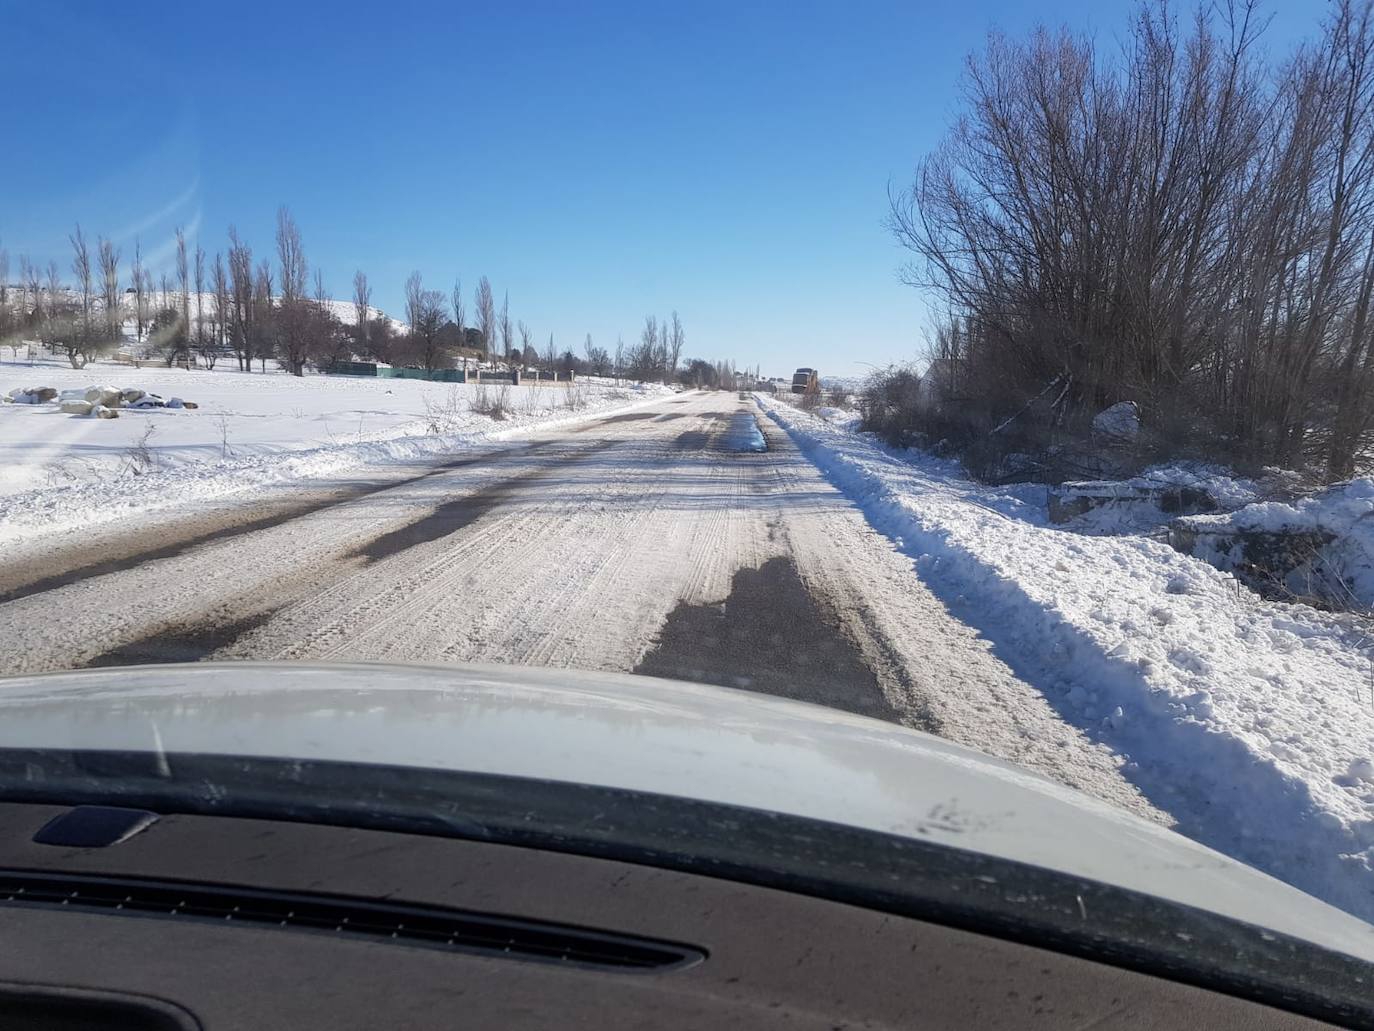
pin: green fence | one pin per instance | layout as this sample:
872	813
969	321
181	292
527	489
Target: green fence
437	376
352	369
445	375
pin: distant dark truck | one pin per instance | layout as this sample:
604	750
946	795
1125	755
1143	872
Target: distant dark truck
805	380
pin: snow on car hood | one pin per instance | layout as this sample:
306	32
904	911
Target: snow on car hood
645	734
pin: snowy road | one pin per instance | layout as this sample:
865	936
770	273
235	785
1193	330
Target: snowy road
687	538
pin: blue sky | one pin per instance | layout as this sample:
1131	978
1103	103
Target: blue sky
600	162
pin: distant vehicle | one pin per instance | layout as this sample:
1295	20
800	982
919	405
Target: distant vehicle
805	380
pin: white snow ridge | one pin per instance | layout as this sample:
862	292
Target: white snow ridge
1251	723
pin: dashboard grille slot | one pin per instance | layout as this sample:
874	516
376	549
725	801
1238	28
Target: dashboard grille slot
423	926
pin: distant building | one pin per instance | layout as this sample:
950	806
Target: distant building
938	384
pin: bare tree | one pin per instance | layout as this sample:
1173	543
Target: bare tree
459	312
292	316
550	355
646	358
327	339
676	339
362	309
8	323
486	314
425	310
525	337
140	300
200	297
28	286
79	339
242	310
147	298
507	336
220	284
598	361
182	342
1181	225
266	316
108	256
52	323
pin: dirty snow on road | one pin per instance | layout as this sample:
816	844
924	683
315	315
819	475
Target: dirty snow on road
1251	723
686	538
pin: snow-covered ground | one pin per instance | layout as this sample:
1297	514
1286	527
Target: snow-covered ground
1251	723
1345	512
59	471
1130	509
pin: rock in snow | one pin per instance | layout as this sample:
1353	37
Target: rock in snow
31	395
94	396
103	395
1121	420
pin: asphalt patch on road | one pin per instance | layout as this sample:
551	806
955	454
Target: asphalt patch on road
185	643
769	636
743	435
691	440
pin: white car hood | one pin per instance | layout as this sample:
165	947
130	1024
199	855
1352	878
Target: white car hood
645	734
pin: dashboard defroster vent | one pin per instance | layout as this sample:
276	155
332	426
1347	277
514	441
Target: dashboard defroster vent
399	924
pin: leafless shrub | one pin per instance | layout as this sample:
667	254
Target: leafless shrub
141	458
574	397
495	404
445	415
892	408
222	423
59	474
1188	226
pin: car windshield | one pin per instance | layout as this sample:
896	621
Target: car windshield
1001	380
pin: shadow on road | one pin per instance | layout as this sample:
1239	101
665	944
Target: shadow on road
188	643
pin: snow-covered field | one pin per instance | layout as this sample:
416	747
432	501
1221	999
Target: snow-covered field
59	471
1251	723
